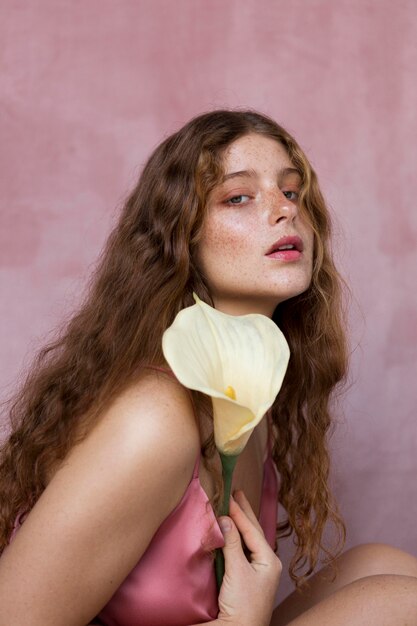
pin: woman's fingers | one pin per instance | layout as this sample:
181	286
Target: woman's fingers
248	590
243	502
232	549
253	537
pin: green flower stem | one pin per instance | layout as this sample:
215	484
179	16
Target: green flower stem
228	465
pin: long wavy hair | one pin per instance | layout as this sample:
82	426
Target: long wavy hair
145	275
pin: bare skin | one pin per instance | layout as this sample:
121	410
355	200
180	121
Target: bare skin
99	493
371	580
255	207
90	500
369	563
384	600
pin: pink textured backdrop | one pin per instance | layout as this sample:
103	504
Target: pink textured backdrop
88	88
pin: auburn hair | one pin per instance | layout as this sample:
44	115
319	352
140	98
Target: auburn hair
145	275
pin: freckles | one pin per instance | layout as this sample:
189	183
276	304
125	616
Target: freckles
288	276
280	279
222	242
222	238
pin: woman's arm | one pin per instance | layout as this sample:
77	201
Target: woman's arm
99	512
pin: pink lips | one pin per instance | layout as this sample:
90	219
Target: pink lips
286	255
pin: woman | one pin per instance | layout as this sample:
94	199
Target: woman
101	477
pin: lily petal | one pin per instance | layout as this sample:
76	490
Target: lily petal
240	361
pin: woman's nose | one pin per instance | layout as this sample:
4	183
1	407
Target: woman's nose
281	207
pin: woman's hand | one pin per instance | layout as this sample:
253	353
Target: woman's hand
249	587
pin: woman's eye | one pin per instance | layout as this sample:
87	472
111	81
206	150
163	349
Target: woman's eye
287	194
237	199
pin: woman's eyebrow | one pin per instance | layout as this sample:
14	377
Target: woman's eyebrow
250	173
289	170
253	174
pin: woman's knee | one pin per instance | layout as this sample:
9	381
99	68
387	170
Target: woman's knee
371	559
387	600
368	566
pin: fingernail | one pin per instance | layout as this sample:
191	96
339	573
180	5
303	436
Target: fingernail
225	524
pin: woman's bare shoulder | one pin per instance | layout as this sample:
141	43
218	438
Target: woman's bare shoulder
149	435
103	505
155	405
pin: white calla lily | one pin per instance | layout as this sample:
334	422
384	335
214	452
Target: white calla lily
240	361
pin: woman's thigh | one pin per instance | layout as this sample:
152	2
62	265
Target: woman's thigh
357	563
389	600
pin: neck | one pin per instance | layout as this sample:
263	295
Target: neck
244	307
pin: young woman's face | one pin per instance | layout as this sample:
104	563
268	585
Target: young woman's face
248	213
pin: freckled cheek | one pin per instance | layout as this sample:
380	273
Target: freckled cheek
226	241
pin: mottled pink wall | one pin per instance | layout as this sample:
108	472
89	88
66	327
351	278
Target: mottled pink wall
88	89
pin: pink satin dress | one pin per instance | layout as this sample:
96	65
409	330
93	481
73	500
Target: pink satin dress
174	582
